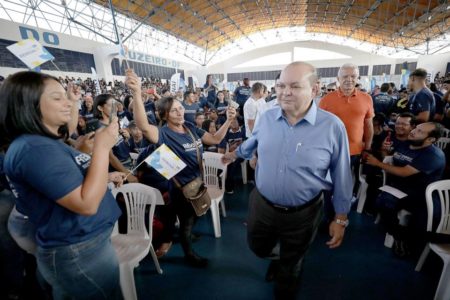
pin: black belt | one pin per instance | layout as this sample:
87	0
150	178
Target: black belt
293	208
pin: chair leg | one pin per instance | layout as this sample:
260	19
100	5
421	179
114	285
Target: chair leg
155	260
422	258
388	240
216	218
222	206
244	171
362	195
127	282
377	219
443	289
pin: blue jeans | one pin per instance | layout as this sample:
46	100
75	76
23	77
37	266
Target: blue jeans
22	231
86	270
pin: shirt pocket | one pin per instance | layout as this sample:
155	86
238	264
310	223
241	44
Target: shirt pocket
312	159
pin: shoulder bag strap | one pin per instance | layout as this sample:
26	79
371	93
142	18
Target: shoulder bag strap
199	158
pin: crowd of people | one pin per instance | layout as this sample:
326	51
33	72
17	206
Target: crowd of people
64	140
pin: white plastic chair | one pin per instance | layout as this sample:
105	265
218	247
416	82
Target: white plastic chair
443	142
362	191
244	171
133	246
212	163
442	187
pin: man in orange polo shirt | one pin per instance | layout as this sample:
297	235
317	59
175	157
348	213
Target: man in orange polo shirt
355	109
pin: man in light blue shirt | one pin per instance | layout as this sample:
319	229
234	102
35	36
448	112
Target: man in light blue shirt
297	146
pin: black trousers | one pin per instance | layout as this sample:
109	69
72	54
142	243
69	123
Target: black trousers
294	231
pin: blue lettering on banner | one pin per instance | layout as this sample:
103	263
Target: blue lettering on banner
153	59
48	37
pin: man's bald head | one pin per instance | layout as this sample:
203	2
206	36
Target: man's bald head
310	72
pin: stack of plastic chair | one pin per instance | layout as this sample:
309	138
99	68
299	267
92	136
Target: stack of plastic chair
212	164
442	188
133	246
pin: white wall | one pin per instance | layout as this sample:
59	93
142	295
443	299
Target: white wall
103	53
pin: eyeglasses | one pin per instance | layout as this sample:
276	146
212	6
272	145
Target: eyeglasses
330	90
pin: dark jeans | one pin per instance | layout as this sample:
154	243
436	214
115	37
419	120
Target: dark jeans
11	256
233	170
294	231
355	161
178	206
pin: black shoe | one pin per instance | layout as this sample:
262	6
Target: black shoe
271	271
196	261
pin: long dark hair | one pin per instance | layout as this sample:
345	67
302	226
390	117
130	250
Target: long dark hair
100	100
20	111
163	106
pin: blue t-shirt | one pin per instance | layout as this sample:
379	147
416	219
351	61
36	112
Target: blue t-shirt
138	147
40	172
232	137
149	175
440	104
190	111
183	146
242	93
3	182
88	115
429	161
422	101
383	103
211	98
125	114
121	149
221	111
150	111
204	103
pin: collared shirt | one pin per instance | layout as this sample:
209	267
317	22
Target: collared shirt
293	161
353	110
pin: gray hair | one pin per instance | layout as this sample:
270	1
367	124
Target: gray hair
348	66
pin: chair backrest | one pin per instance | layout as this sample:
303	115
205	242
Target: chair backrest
446	132
212	163
442	142
137	196
442	187
387	160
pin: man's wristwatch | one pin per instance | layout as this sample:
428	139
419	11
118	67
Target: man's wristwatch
342	222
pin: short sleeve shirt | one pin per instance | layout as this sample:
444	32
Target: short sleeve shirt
352	111
422	101
429	161
183	146
40	172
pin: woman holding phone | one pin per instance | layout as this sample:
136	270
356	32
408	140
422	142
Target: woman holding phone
119	156
62	191
177	135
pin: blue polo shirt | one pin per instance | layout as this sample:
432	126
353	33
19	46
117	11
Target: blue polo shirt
41	171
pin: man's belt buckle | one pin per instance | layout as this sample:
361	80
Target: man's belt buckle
281	207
